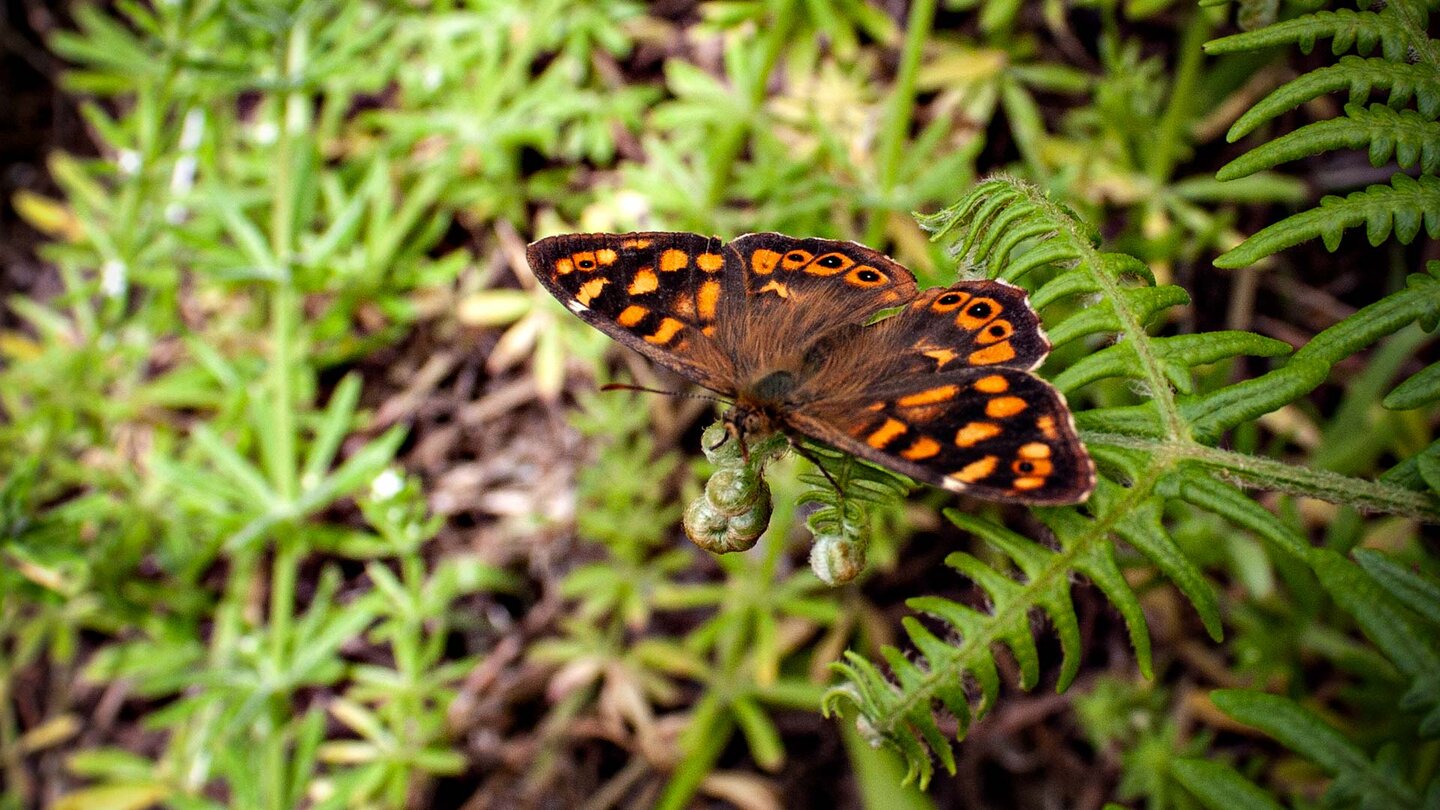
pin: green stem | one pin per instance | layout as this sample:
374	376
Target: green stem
1058	567
284	315
1263	473
1164	149
732	139
1130	326
902	109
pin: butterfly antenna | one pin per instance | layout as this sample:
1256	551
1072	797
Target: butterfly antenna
685	394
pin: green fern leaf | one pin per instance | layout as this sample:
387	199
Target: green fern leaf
1180	353
1406	134
1346	29
1356	777
1360	75
1404	206
1422	388
1219	787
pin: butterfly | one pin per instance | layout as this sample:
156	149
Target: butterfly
940	390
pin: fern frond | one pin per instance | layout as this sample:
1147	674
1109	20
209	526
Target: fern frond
1406	134
1402	81
1152	456
1404	207
1359	781
1346	29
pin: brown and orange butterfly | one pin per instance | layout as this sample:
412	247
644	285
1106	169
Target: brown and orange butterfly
941	390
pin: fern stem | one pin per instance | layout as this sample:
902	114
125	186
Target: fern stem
1061	565
1264	473
1130	325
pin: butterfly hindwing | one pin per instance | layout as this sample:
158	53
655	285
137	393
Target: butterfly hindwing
971	323
658	293
997	433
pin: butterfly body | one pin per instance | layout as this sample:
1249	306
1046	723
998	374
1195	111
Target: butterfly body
940	390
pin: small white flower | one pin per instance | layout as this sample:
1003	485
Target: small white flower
113	278
129	161
386	485
192	129
266	132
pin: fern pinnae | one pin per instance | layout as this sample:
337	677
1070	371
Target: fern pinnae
1405	134
1359	75
1345	28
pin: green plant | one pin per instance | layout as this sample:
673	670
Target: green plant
1407	71
1155	456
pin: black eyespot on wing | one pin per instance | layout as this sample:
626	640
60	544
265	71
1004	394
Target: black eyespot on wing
796	256
979	311
868	276
585	264
831	261
950	299
997	331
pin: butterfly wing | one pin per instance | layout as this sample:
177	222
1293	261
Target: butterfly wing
846	281
970	323
951	402
1001	434
658	293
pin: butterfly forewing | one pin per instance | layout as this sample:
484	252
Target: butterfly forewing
658	293
847	281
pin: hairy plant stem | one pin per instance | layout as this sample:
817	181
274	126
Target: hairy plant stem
1131	328
1264	473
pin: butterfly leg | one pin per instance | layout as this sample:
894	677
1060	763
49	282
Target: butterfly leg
808	456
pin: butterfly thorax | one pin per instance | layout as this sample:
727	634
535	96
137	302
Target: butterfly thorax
760	406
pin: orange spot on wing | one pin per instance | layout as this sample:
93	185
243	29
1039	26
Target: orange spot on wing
990	355
994	384
975	470
796	259
886	433
606	256
707	299
585	261
998	330
667	330
923	447
929	396
875	406
635	244
976	432
940	356
672	260
632	315
1001	407
1028	482
1039	468
762	262
977	313
590	289
1046	425
1035	450
777	288
684	305
710	262
645	281
564	267
937	306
